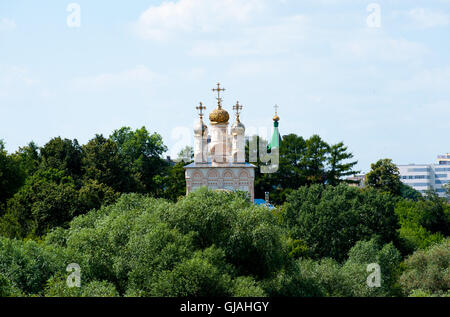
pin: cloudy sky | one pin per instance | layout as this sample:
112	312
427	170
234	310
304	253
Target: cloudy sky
375	75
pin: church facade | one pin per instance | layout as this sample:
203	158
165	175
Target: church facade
219	153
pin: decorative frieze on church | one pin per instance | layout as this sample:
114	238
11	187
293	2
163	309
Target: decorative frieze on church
229	178
219	153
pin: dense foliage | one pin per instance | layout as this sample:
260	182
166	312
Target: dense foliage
302	162
117	208
330	220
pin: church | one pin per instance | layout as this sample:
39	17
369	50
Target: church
219	152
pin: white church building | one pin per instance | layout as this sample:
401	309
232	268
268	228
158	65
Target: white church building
219	153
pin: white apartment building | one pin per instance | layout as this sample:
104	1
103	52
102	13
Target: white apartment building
427	176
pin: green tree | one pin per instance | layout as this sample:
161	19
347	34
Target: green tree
11	176
330	220
447	191
315	159
423	222
428	270
337	168
208	243
384	175
173	185
141	152
28	265
103	163
64	155
29	158
408	192
355	273
302	162
50	199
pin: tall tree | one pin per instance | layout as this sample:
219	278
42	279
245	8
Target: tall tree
384	175
11	175
142	153
29	158
315	159
64	155
337	167
102	162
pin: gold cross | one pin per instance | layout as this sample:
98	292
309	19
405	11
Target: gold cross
218	89
200	109
276	109
237	108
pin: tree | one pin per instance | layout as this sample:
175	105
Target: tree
64	155
330	220
355	273
208	243
50	199
141	153
384	175
292	171
330	278
11	176
27	265
423	222
173	185
408	192
29	158
447	191
103	163
315	159
263	182
302	162
428	270
337	169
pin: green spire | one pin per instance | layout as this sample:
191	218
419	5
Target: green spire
276	138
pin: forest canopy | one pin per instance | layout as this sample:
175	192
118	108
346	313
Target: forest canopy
117	208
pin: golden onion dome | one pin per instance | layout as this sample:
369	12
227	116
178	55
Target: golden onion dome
276	118
218	116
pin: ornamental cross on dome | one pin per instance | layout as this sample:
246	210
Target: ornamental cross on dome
238	109
200	110
218	90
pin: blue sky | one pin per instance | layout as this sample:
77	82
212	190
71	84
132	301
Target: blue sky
383	90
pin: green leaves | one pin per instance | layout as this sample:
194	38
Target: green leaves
428	271
384	175
330	220
11	176
207	244
304	162
423	222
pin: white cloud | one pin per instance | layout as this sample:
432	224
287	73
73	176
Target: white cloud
7	25
188	16
426	18
139	74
